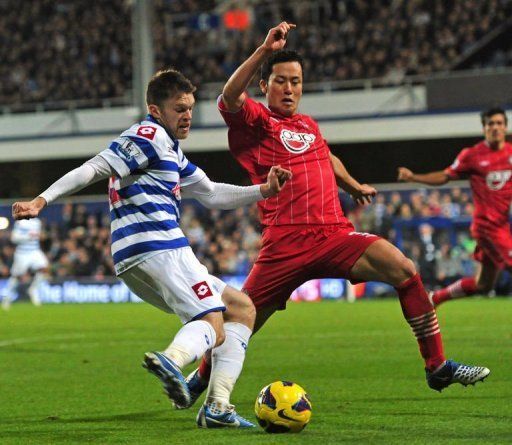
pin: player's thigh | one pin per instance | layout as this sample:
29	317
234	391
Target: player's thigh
181	281
38	261
239	307
262	315
486	275
20	265
383	262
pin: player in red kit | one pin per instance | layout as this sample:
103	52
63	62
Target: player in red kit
488	165
305	233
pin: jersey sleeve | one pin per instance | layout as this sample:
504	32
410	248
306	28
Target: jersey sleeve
127	154
189	172
251	113
462	165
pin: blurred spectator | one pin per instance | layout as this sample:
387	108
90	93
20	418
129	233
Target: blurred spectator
86	50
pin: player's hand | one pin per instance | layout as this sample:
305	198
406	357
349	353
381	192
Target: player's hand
28	209
276	179
404	174
365	194
276	37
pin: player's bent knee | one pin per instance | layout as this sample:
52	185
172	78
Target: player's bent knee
403	270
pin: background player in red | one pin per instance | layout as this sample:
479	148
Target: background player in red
305	234
488	165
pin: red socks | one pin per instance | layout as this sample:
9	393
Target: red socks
461	288
422	318
205	368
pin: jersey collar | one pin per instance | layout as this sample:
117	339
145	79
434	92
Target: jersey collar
175	142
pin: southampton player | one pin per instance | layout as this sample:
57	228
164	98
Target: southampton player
305	234
28	257
148	172
488	165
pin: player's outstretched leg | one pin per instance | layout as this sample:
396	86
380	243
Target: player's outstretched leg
465	287
384	262
226	364
191	342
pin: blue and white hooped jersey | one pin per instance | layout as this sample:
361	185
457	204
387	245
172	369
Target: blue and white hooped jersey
26	234
145	194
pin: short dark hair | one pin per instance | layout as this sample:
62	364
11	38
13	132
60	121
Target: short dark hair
487	114
166	84
285	55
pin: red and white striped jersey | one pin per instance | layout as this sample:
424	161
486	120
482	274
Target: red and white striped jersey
260	138
490	175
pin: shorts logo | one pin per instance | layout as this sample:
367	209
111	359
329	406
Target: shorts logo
296	142
202	290
146	132
496	180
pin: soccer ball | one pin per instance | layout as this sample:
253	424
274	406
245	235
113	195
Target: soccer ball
283	407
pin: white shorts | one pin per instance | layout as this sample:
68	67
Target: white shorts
176	282
28	261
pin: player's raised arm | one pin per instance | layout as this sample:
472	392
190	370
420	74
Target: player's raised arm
233	94
432	178
90	172
362	193
216	195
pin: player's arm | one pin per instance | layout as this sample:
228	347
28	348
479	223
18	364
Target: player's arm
233	94
432	178
362	193
216	195
90	172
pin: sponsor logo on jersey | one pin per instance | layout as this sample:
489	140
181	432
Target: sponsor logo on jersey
146	131
176	192
129	150
296	142
496	180
113	196
202	290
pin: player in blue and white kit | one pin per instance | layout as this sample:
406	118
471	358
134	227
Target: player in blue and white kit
148	175
28	257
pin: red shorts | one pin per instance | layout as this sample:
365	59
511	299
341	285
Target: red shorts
292	255
494	246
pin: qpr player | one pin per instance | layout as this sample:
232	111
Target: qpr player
305	233
148	176
488	165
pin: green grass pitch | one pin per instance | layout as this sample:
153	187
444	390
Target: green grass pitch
72	374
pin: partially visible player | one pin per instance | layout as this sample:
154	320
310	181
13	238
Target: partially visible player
305	233
28	258
488	165
148	175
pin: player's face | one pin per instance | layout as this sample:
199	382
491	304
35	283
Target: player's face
175	114
495	129
284	88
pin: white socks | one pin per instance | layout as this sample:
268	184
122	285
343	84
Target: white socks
227	363
191	342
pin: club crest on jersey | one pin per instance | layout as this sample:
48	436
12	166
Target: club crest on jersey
496	180
146	131
296	142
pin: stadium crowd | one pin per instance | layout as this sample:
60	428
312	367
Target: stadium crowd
207	40
431	226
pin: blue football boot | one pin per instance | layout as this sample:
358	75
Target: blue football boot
211	416
170	374
453	372
196	386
